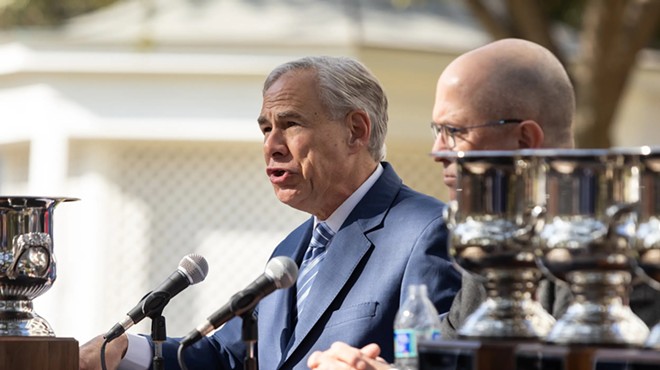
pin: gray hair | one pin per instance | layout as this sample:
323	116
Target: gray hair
345	85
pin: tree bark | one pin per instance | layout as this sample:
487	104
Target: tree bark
614	31
532	24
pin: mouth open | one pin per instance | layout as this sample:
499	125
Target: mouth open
277	175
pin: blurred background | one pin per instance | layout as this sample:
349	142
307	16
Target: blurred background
146	110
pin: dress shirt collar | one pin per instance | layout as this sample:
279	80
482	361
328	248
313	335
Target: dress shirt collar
338	217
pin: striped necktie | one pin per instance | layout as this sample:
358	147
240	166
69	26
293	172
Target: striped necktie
311	262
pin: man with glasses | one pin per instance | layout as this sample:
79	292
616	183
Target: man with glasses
510	94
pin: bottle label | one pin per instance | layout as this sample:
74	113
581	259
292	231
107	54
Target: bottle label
405	343
434	334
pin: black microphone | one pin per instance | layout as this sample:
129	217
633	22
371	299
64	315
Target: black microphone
192	269
281	272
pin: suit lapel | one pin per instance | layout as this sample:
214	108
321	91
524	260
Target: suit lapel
276	310
346	250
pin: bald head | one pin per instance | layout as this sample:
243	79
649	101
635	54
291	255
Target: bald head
514	78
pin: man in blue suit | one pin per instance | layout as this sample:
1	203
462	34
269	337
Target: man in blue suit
324	122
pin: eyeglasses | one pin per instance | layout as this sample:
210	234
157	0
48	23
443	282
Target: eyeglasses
449	132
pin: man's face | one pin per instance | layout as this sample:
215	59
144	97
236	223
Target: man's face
305	151
454	106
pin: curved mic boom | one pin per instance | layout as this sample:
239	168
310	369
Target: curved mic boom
192	270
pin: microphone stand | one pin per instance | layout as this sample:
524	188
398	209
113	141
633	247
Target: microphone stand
158	335
250	333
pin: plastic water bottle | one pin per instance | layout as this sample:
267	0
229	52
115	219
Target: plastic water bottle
416	320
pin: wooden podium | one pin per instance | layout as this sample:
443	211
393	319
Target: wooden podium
38	353
467	355
585	357
512	355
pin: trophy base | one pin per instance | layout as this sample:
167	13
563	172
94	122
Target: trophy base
595	324
506	354
17	319
576	357
653	340
467	355
508	319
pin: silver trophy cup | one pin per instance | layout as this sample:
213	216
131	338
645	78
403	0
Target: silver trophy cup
647	241
490	237
585	239
27	262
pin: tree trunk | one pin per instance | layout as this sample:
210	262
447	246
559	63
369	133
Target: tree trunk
613	33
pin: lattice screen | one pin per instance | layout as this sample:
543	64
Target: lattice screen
417	169
171	199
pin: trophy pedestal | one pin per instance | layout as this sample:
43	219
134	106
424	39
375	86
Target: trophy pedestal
467	355
556	357
520	355
38	353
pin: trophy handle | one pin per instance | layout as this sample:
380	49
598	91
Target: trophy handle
32	256
449	214
531	222
536	219
614	214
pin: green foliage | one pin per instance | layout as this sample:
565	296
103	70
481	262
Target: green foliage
565	11
49	13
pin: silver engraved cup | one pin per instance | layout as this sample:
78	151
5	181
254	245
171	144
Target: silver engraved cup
27	262
647	241
585	239
490	237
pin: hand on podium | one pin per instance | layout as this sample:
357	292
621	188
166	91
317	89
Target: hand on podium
341	356
90	353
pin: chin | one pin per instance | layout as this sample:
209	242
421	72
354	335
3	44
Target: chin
289	197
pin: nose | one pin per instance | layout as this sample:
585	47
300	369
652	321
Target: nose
275	144
440	144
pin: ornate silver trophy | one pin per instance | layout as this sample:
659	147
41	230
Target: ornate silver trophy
585	239
490	237
647	241
27	262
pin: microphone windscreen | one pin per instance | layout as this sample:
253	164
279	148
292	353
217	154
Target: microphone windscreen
283	270
194	267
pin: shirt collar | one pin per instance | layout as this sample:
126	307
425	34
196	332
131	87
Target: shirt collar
340	215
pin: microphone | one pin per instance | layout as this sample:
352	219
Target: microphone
281	272
192	269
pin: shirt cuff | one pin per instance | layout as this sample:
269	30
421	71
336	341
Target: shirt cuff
138	354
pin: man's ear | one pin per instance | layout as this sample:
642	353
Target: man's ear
531	135
359	126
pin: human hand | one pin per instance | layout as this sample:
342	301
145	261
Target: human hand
342	356
90	353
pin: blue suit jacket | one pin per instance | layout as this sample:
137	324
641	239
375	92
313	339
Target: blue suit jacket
394	237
